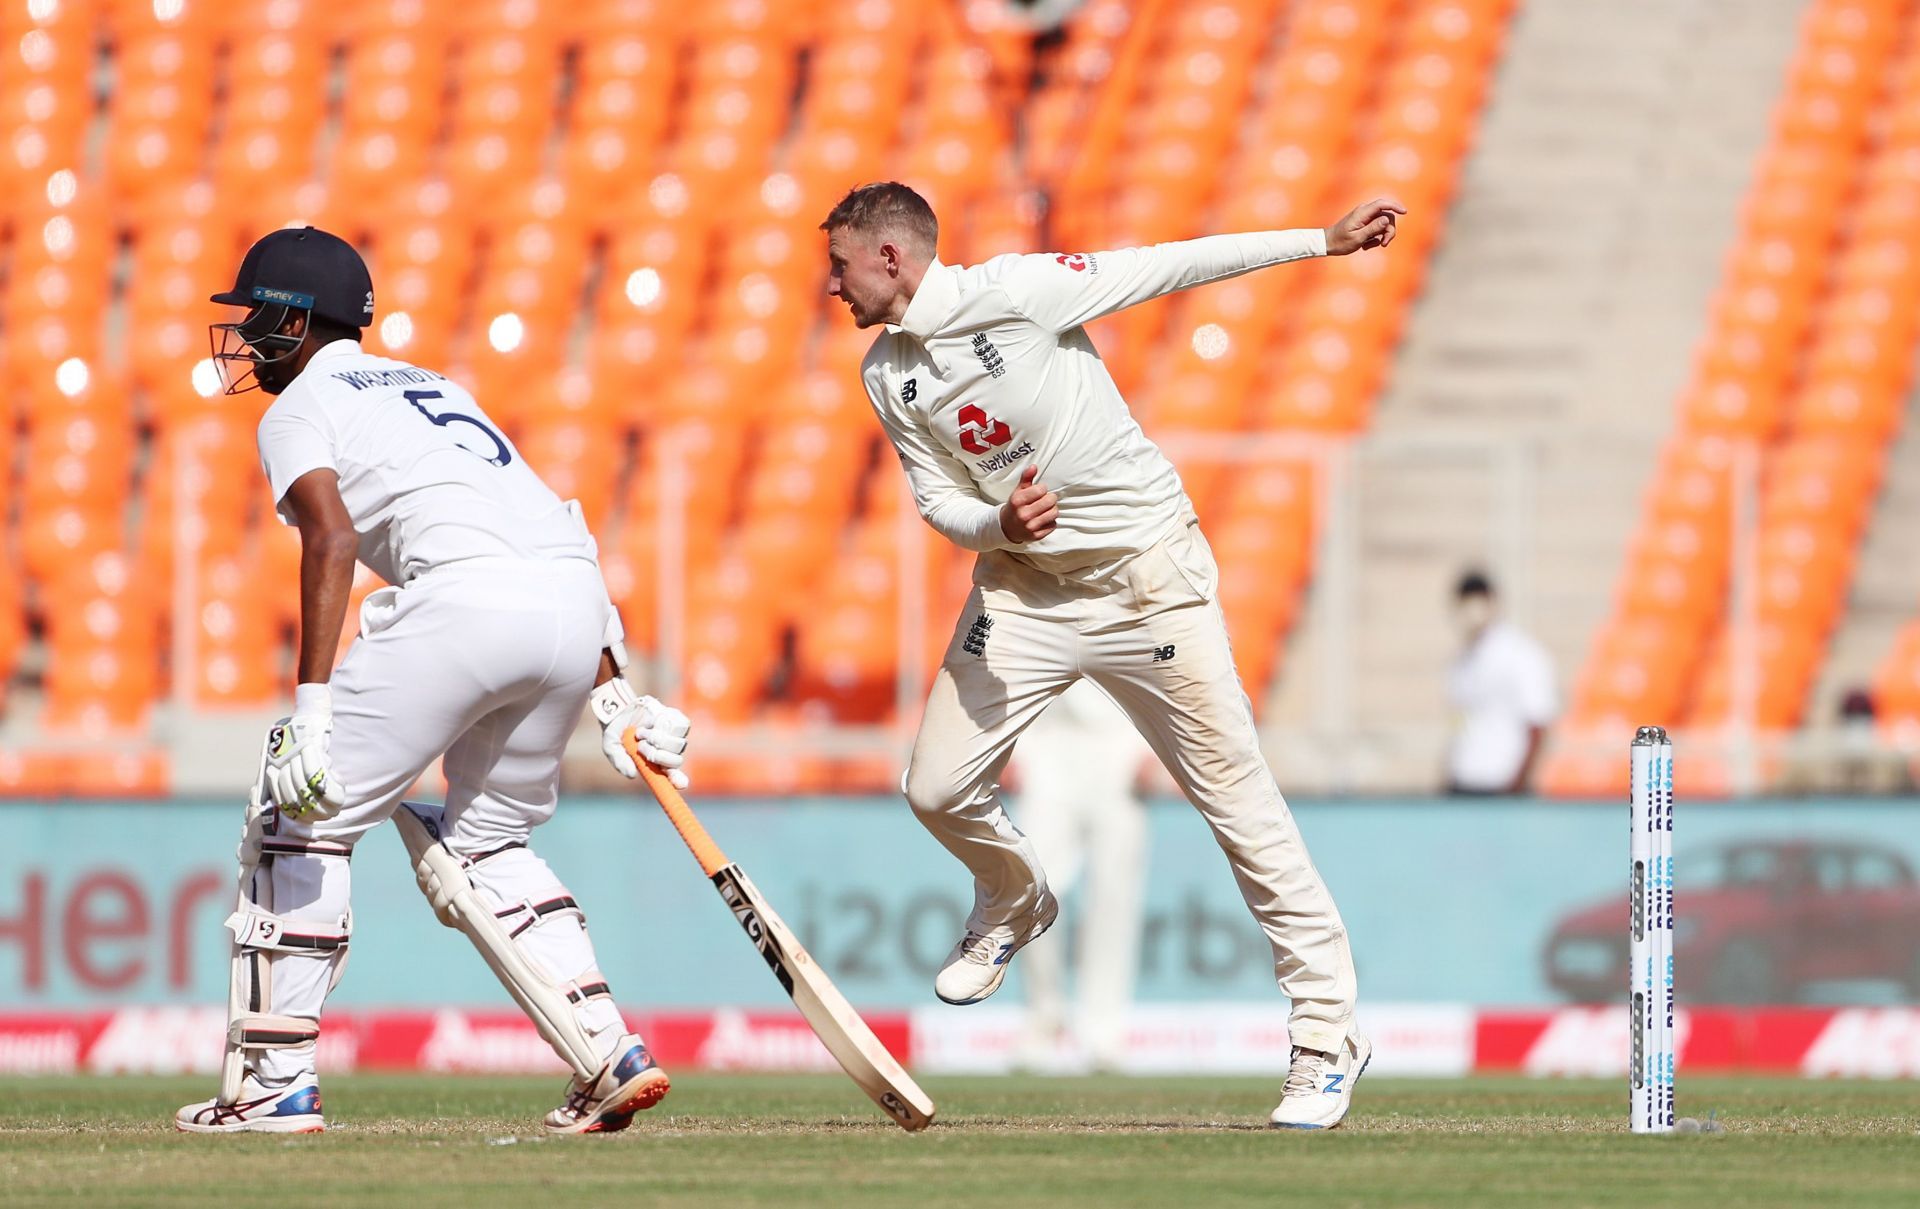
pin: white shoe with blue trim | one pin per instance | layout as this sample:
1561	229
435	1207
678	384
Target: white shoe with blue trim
294	1108
628	1083
1319	1088
978	964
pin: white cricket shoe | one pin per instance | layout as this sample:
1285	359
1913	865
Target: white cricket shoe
294	1108
628	1083
1319	1090
978	964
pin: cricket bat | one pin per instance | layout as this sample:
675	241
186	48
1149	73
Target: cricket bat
826	1010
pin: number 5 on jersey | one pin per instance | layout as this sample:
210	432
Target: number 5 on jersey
500	455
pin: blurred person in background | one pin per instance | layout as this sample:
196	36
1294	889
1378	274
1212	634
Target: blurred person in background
1851	757
1864	763
1078	769
1501	687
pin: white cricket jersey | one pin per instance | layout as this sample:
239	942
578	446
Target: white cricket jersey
1501	687
990	370
427	478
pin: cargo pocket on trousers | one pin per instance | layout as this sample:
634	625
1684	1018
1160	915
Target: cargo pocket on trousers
1192	559
378	610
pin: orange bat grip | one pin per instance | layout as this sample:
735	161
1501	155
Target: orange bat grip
704	850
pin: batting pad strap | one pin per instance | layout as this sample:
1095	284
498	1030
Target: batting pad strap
523	915
273	845
490	853
253	928
272	1032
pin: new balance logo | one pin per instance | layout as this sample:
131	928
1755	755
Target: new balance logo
1333	1082
1162	654
980	431
909	390
975	643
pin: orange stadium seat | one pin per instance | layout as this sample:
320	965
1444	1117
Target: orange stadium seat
53	538
1658	583
1787	658
40	774
729	651
707	453
789	550
1262	560
1851	23
125	774
1732	404
1827	482
622	101
1638	671
572	397
578	462
805	468
96	689
1841	407
1194	401
1694	481
159	113
1577	772
846	659
57	48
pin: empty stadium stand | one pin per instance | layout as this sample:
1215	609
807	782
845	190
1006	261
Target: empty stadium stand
1806	366
602	214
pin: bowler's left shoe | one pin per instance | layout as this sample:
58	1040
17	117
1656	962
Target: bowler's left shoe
1319	1089
978	964
292	1108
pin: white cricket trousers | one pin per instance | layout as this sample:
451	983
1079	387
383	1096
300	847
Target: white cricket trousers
488	662
1153	637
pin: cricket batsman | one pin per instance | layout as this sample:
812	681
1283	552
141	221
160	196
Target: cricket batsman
1018	445
496	631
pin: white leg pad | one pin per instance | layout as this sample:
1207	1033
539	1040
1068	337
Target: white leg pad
258	932
444	879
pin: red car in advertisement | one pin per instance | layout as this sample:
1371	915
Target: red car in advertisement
1764	921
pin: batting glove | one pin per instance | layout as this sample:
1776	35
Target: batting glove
660	731
300	778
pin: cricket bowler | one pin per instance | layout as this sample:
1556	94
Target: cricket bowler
496	631
1018	445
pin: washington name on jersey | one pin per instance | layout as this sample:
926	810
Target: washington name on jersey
428	478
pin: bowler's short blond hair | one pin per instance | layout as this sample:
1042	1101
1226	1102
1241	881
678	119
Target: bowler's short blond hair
887	209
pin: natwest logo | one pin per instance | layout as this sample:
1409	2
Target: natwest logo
979	431
1073	260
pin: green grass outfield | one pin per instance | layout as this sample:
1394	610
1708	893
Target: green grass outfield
789	1140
